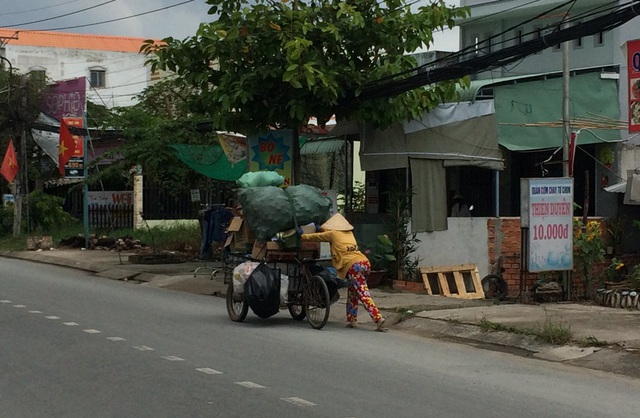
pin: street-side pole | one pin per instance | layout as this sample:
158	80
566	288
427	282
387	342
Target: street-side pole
85	191
566	136
566	125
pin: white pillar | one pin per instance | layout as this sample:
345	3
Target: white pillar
138	222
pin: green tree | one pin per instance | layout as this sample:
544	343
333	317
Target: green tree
267	63
162	116
19	107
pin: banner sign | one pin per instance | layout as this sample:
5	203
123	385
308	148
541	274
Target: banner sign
111	198
234	147
271	151
550	224
65	98
74	168
633	69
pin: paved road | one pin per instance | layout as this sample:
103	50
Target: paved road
79	346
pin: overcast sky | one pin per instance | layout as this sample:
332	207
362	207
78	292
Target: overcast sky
180	22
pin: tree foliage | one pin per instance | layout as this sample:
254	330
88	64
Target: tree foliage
160	118
264	63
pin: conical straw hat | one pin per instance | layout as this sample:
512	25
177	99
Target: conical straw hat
337	223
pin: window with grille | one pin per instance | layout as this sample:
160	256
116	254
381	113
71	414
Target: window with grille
38	75
97	77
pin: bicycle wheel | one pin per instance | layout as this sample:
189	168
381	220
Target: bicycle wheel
297	311
495	287
316	301
237	308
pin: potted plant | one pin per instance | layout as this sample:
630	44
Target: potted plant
606	156
615	228
405	243
380	255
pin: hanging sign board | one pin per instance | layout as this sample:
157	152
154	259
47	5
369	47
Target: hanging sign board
633	79
272	151
547	212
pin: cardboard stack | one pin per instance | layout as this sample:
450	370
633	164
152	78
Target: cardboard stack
239	238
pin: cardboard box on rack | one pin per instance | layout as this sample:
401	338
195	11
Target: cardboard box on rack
240	237
260	251
310	245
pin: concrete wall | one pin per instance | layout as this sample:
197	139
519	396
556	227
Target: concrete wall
466	241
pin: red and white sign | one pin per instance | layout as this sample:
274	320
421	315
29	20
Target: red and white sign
110	198
633	69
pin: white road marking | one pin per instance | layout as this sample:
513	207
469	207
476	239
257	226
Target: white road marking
172	358
92	331
5	301
250	385
207	370
116	339
19	306
52	317
70	324
143	348
298	401
35	311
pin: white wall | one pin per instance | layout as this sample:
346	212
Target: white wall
465	242
126	74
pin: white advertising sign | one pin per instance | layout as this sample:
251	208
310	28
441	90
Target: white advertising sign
110	198
550	224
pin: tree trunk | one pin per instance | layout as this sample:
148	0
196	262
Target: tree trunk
295	139
17	206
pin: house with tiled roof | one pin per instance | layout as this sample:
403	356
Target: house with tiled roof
112	64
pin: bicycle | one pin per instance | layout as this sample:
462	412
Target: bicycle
493	284
307	295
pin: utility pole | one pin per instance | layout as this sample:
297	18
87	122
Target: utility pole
566	117
566	136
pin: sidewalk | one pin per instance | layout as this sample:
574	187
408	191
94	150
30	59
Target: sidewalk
615	332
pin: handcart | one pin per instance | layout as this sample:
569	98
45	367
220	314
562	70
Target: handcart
307	293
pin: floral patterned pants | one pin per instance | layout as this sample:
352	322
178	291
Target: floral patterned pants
358	290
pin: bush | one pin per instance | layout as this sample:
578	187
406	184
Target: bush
6	220
45	211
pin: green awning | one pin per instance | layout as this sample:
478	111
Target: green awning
210	160
322	146
539	101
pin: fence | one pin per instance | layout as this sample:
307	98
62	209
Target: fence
111	216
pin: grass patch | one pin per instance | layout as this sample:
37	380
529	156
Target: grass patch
592	341
556	333
404	314
10	243
550	332
486	326
177	237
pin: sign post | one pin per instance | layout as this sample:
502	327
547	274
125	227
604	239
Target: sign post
547	212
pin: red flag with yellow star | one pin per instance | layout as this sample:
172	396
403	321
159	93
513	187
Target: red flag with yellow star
67	146
10	163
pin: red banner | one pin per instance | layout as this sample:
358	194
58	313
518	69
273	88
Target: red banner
10	163
633	68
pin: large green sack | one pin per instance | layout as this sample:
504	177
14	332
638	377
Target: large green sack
269	210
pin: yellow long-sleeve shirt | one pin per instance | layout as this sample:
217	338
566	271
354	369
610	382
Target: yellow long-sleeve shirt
344	249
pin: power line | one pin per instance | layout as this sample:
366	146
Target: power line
121	18
39	8
60	16
456	70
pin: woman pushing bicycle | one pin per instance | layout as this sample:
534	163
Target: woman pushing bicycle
350	263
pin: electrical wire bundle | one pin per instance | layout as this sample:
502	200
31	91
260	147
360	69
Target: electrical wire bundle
468	61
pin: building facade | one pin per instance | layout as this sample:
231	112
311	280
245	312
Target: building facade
529	93
113	66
